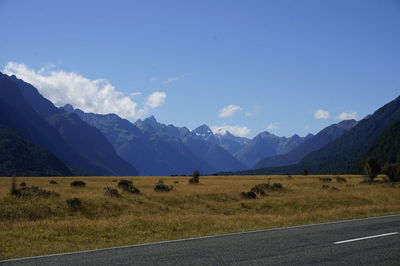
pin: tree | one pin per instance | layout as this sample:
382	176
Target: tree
195	177
305	171
371	167
392	171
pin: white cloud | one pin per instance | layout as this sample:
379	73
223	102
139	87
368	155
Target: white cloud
152	79
97	96
229	110
156	99
347	116
237	130
170	80
273	126
322	114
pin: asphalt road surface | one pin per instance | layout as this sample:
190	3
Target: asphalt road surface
371	241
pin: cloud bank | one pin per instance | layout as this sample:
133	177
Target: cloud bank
237	130
347	116
96	96
273	126
229	110
322	114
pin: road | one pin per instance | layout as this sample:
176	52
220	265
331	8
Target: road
371	241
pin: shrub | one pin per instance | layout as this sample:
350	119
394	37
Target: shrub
75	204
28	192
195	178
305	171
371	167
22	184
111	192
53	182
176	182
78	184
161	187
13	189
260	189
249	195
325	179
277	186
392	171
341	179
127	186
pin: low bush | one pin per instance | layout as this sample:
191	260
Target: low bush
29	192
161	187
195	178
53	182
392	171
249	195
75	204
341	179
78	184
22	184
277	186
325	179
111	192
260	189
127	186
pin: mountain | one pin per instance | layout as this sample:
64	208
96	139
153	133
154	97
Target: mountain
345	154
73	141
152	151
312	143
202	142
387	148
264	145
205	133
231	143
20	157
17	114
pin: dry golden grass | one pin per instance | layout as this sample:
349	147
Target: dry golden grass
40	226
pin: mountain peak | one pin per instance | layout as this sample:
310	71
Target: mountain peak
346	124
205	132
202	129
151	119
68	108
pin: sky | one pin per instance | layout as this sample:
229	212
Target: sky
247	66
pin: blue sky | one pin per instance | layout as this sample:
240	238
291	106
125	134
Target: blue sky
275	62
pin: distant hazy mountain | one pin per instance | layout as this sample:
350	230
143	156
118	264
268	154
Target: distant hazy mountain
20	157
203	143
345	154
231	143
264	145
152	151
68	137
312	143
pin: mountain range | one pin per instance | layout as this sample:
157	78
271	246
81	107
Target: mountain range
376	134
309	145
68	141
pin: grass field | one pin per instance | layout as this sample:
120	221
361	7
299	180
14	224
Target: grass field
37	226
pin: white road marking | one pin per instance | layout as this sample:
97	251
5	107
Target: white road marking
363	238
